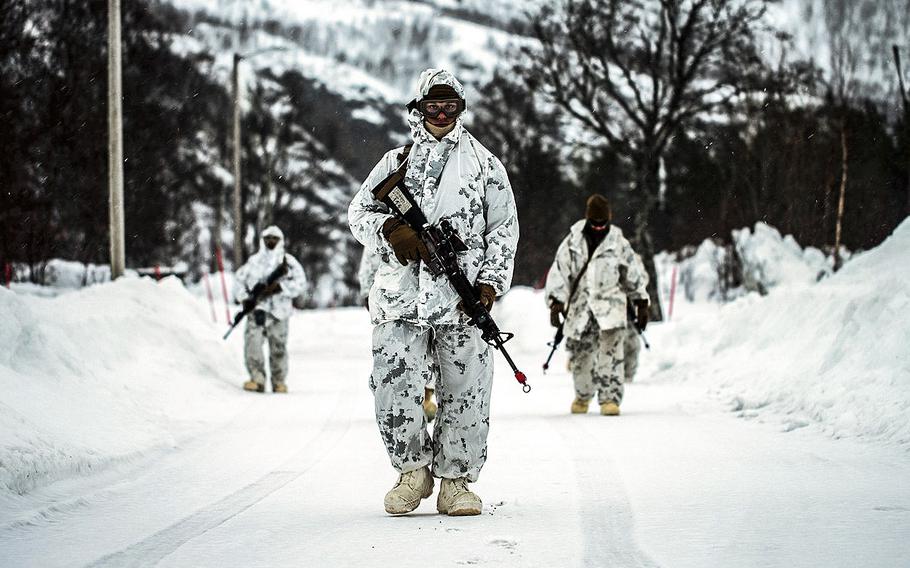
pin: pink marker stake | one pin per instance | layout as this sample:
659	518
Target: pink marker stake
672	292
8	273
158	273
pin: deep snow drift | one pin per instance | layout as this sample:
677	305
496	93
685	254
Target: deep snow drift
105	374
835	353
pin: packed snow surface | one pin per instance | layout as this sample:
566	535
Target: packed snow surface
126	440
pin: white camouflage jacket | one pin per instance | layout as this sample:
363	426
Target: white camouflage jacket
473	193
613	274
366	273
258	268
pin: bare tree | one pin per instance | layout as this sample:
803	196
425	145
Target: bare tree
636	72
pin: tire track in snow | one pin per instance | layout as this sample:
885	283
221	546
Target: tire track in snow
159	545
605	512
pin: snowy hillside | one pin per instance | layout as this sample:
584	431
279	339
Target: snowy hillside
376	48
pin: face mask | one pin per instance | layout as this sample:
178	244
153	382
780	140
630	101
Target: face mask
598	226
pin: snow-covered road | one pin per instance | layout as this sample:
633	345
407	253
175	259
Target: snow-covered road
298	480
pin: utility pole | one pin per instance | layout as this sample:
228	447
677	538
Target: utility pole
115	141
238	213
905	98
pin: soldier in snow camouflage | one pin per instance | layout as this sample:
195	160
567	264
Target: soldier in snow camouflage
269	321
600	263
419	331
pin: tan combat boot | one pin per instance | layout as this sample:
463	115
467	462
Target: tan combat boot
609	409
456	500
280	388
580	406
410	489
429	407
253	386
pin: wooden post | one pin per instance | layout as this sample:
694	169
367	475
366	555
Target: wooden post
238	211
115	142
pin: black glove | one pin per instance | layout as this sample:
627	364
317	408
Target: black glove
404	241
556	308
249	304
641	315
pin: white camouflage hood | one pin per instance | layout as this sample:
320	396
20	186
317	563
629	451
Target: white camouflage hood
271	231
429	78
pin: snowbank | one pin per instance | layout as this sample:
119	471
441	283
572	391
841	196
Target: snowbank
105	374
769	260
759	261
835	354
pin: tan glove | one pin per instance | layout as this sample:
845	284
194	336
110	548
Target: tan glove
272	288
404	241
486	294
556	308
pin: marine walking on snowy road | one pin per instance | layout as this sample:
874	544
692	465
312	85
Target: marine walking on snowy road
594	274
419	328
266	287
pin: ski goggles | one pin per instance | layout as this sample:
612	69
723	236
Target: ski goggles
451	108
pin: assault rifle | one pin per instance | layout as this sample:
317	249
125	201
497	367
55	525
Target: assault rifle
560	330
443	246
632	316
258	293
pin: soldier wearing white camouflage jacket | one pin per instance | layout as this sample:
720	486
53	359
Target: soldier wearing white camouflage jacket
268	321
593	274
417	322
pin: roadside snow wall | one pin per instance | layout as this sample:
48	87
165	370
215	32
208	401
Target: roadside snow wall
760	257
834	353
105	374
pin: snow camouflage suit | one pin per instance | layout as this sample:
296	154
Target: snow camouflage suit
277	308
366	272
595	326
417	324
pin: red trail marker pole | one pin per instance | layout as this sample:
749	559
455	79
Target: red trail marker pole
208	292
158	273
8	273
227	311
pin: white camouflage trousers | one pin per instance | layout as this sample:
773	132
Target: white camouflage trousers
405	358
597	363
631	351
276	332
